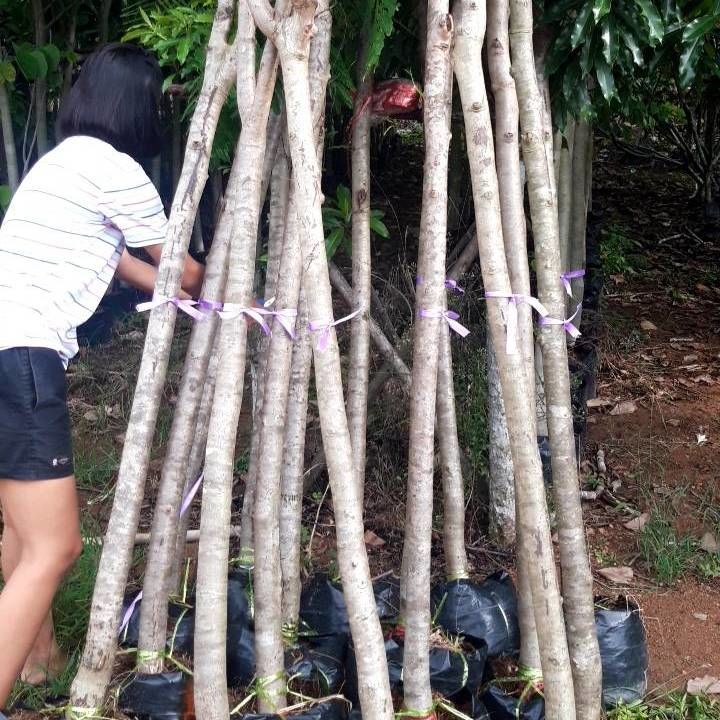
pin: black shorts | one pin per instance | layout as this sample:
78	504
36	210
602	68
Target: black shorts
35	439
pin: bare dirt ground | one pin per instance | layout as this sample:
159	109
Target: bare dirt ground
660	357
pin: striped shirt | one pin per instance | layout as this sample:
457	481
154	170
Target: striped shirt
62	238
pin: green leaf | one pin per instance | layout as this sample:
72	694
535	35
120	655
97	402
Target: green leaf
608	33
382	14
145	17
688	62
7	72
183	48
654	21
581	22
632	45
344	201
600	9
167	82
605	78
698	28
31	61
52	56
333	241
5	196
378	226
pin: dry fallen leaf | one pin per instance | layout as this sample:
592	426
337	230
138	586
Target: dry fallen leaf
624	408
701	438
689	358
703	289
637	523
707	685
113	411
598	402
700	616
647	325
91	416
706	378
709	543
373	540
622	575
674	422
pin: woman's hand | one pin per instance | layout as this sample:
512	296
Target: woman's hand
193	271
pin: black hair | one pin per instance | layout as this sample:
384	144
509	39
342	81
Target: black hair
116	98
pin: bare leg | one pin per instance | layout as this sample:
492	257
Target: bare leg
46	660
44	517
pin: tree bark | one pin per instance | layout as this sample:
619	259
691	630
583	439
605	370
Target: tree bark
8	134
359	357
89	687
456	562
574	561
41	87
511	187
211	698
566	194
502	526
530	491
577	578
578	213
104	21
292	38
268	578
292	471
430	303
159	569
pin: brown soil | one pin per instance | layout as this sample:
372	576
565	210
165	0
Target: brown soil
665	453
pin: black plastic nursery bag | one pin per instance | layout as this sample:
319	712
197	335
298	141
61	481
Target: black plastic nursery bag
155	697
623	653
500	706
320	660
322	607
485	613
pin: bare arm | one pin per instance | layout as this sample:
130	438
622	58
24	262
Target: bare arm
193	272
141	275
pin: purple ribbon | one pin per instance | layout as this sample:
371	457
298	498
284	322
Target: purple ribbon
567	325
233	310
450	316
324	327
187	501
450	284
211	305
187	306
511	316
453	286
286	317
566	277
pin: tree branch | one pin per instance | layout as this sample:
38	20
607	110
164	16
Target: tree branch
264	16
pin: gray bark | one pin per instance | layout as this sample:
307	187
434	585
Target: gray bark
8	134
530	491
292	38
211	698
430	298
88	689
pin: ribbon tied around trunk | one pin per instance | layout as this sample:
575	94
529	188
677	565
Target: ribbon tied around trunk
187	306
569	275
450	316
511	314
324	327
567	325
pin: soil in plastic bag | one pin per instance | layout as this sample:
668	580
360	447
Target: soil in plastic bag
165	696
323	610
240	653
319	661
451	672
623	652
322	711
322	607
482	614
500	706
181	627
387	598
239	594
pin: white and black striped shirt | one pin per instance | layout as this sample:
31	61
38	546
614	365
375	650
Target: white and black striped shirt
62	238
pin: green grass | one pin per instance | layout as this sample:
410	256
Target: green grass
619	253
668	556
675	706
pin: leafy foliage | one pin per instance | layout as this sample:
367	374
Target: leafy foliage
337	220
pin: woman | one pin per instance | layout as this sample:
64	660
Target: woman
64	237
